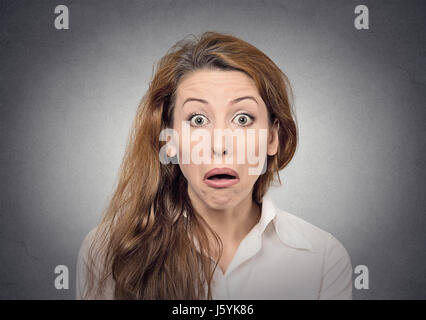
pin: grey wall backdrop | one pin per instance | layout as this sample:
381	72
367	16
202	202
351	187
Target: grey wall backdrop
68	98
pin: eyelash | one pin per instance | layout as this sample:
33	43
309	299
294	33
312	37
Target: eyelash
192	115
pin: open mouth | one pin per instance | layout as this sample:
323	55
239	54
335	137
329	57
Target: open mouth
221	176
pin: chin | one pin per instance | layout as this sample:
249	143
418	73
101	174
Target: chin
221	200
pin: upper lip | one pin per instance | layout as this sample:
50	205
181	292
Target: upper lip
221	171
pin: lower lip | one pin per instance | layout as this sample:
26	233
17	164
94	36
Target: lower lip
221	183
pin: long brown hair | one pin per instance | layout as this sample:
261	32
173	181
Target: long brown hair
143	241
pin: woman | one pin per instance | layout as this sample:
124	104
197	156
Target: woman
194	229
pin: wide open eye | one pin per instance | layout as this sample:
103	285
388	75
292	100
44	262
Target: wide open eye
243	119
197	120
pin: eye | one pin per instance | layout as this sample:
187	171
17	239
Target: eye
244	119
197	120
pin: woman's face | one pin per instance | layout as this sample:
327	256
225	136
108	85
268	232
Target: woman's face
207	102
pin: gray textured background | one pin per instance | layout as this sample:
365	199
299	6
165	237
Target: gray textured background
68	97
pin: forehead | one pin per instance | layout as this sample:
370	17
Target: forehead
216	81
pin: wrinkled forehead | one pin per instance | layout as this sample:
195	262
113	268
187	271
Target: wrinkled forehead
216	83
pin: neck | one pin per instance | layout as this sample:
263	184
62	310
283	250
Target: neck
232	223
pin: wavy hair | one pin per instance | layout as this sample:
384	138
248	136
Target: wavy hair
145	239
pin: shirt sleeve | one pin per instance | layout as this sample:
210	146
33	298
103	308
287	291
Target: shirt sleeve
336	282
81	274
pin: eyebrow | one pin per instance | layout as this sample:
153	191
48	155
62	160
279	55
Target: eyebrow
232	102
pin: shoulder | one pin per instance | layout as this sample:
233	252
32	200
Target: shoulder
90	242
87	242
318	238
82	263
86	246
336	266
94	243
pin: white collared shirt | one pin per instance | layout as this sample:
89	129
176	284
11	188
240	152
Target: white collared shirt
282	257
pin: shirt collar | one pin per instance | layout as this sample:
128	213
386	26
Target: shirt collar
287	230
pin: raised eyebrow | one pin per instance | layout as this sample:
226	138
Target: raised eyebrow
232	102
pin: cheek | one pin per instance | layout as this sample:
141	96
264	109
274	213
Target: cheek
256	144
256	154
188	172
186	148
261	139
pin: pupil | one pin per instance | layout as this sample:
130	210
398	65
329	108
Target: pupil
242	120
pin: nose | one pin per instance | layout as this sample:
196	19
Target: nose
220	151
220	138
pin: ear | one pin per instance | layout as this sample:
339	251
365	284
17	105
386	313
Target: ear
171	151
171	148
273	138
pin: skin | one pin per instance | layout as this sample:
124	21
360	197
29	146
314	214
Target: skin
230	211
